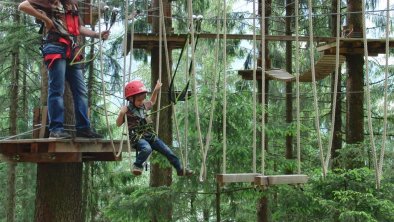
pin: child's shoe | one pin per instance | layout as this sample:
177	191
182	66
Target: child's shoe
137	170
185	172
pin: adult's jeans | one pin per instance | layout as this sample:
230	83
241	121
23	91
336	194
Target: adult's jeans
145	146
60	71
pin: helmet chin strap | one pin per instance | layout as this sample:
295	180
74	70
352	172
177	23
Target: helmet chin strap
133	101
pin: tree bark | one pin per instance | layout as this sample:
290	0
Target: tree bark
59	192
11	192
59	186
162	176
262	209
355	82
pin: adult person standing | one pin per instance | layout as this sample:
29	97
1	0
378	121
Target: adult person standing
62	27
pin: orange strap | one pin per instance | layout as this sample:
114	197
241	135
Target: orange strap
72	23
52	58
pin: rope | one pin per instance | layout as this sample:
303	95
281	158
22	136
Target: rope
297	71
196	110
126	124
371	136
203	172
185	161
160	68
381	158
116	153
21	134
254	90
164	33
316	106
263	87
224	86
334	102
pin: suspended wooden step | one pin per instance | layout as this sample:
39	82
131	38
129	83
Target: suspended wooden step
280	179
324	67
261	180
236	178
47	150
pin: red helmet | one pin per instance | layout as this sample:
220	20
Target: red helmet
133	88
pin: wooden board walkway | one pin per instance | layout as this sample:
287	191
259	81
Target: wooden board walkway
49	150
261	180
323	68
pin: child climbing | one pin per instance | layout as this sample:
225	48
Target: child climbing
142	135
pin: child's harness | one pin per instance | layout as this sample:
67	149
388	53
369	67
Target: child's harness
139	128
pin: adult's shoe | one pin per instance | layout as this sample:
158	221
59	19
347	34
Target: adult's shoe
59	135
88	133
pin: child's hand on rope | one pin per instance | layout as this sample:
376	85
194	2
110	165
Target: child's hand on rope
158	85
123	110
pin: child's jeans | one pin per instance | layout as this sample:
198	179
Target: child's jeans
145	147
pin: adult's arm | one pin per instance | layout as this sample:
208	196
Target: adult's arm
90	33
27	8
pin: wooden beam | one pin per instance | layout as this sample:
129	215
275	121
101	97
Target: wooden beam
280	179
181	37
43	157
60	146
236	178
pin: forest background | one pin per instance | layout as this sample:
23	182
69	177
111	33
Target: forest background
347	192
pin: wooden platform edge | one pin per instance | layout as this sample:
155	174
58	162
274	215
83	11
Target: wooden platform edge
281	179
236	178
261	180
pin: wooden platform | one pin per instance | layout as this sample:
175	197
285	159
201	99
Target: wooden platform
351	46
58	150
261	180
323	68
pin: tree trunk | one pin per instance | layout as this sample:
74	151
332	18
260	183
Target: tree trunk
59	192
162	176
262	209
59	186
11	192
355	82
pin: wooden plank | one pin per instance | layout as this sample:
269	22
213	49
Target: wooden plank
236	178
44	118
281	179
326	46
60	145
43	157
100	157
